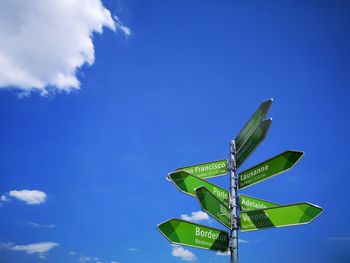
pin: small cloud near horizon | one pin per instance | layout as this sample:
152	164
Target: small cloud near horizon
195	216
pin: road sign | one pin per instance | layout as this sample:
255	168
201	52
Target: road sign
213	206
252	123
253	141
274	166
207	170
287	215
190	234
186	183
248	203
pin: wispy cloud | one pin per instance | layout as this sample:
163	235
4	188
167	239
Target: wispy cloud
120	26
183	254
84	258
40	248
196	216
4	199
29	223
243	241
132	249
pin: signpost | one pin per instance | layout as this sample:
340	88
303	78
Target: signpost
213	206
271	167
287	215
187	183
227	207
207	170
181	232
252	123
253	141
247	203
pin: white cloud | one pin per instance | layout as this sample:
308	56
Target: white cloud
196	216
182	253
40	248
31	197
43	43
72	253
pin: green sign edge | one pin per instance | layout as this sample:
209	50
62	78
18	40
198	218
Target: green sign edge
168	178
298	224
303	153
176	243
195	190
262	139
264	116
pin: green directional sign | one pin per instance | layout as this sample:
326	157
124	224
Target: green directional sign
207	170
274	166
253	141
213	206
287	215
252	123
187	183
190	234
248	203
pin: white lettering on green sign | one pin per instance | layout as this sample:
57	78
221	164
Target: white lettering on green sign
253	204
255	172
209	234
207	170
256	217
220	194
200	169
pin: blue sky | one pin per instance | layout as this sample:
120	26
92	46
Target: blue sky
173	93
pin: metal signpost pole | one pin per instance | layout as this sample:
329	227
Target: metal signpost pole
244	213
233	204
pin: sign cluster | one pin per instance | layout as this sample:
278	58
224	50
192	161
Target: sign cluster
227	207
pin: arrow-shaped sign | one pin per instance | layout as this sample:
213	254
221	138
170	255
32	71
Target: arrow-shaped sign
248	203
207	170
287	215
213	206
252	123
190	234
271	167
187	183
253	141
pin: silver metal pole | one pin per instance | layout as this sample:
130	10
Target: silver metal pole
233	204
